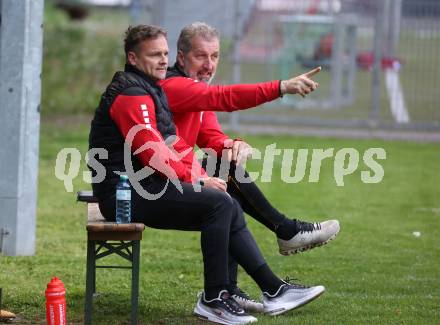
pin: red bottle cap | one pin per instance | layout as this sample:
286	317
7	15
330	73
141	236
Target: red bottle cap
55	288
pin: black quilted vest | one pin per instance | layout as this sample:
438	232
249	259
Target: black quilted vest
105	134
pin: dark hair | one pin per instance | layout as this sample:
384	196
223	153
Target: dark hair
139	33
200	29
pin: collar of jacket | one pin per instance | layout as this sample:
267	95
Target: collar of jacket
143	75
175	70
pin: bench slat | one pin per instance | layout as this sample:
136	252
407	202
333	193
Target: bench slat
86	196
116	227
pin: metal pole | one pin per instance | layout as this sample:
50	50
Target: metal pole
394	27
337	63
386	12
158	9
236	66
352	66
136	11
21	41
378	37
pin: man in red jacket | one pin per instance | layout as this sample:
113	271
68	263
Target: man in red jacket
133	112
193	102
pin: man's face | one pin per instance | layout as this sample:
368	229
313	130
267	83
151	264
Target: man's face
200	63
151	57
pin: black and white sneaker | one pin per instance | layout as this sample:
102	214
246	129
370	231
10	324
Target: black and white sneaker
222	310
310	235
290	296
246	302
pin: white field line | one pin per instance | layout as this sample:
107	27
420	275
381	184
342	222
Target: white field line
395	96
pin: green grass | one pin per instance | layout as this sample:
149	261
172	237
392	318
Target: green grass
375	272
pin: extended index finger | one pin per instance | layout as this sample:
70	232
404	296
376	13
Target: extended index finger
311	73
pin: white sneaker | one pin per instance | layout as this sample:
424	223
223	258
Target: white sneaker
310	235
288	297
246	302
222	310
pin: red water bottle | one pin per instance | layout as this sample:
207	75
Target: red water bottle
56	302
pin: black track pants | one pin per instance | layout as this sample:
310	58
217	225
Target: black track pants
251	199
249	196
217	215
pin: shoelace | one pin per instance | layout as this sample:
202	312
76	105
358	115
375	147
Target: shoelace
231	304
241	294
304	226
296	285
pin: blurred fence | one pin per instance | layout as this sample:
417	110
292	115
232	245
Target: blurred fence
379	57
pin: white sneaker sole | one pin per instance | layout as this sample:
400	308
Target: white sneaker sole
306	248
207	315
285	307
290	251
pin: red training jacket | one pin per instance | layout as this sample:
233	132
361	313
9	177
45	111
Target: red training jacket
193	104
128	111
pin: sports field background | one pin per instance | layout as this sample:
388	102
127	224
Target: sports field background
80	58
376	271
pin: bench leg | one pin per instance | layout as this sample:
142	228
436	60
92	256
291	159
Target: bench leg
90	282
94	272
135	282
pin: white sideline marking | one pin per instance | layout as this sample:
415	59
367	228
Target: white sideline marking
434	210
395	96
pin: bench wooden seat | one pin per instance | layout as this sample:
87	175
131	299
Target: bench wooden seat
100	229
106	238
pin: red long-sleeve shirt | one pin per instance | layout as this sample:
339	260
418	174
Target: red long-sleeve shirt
193	104
130	111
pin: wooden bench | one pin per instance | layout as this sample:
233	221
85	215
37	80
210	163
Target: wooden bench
106	238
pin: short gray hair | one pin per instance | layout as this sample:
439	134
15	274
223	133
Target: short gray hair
199	29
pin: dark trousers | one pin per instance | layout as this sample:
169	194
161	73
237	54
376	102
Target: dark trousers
247	194
217	215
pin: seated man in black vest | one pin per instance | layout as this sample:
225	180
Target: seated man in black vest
133	114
